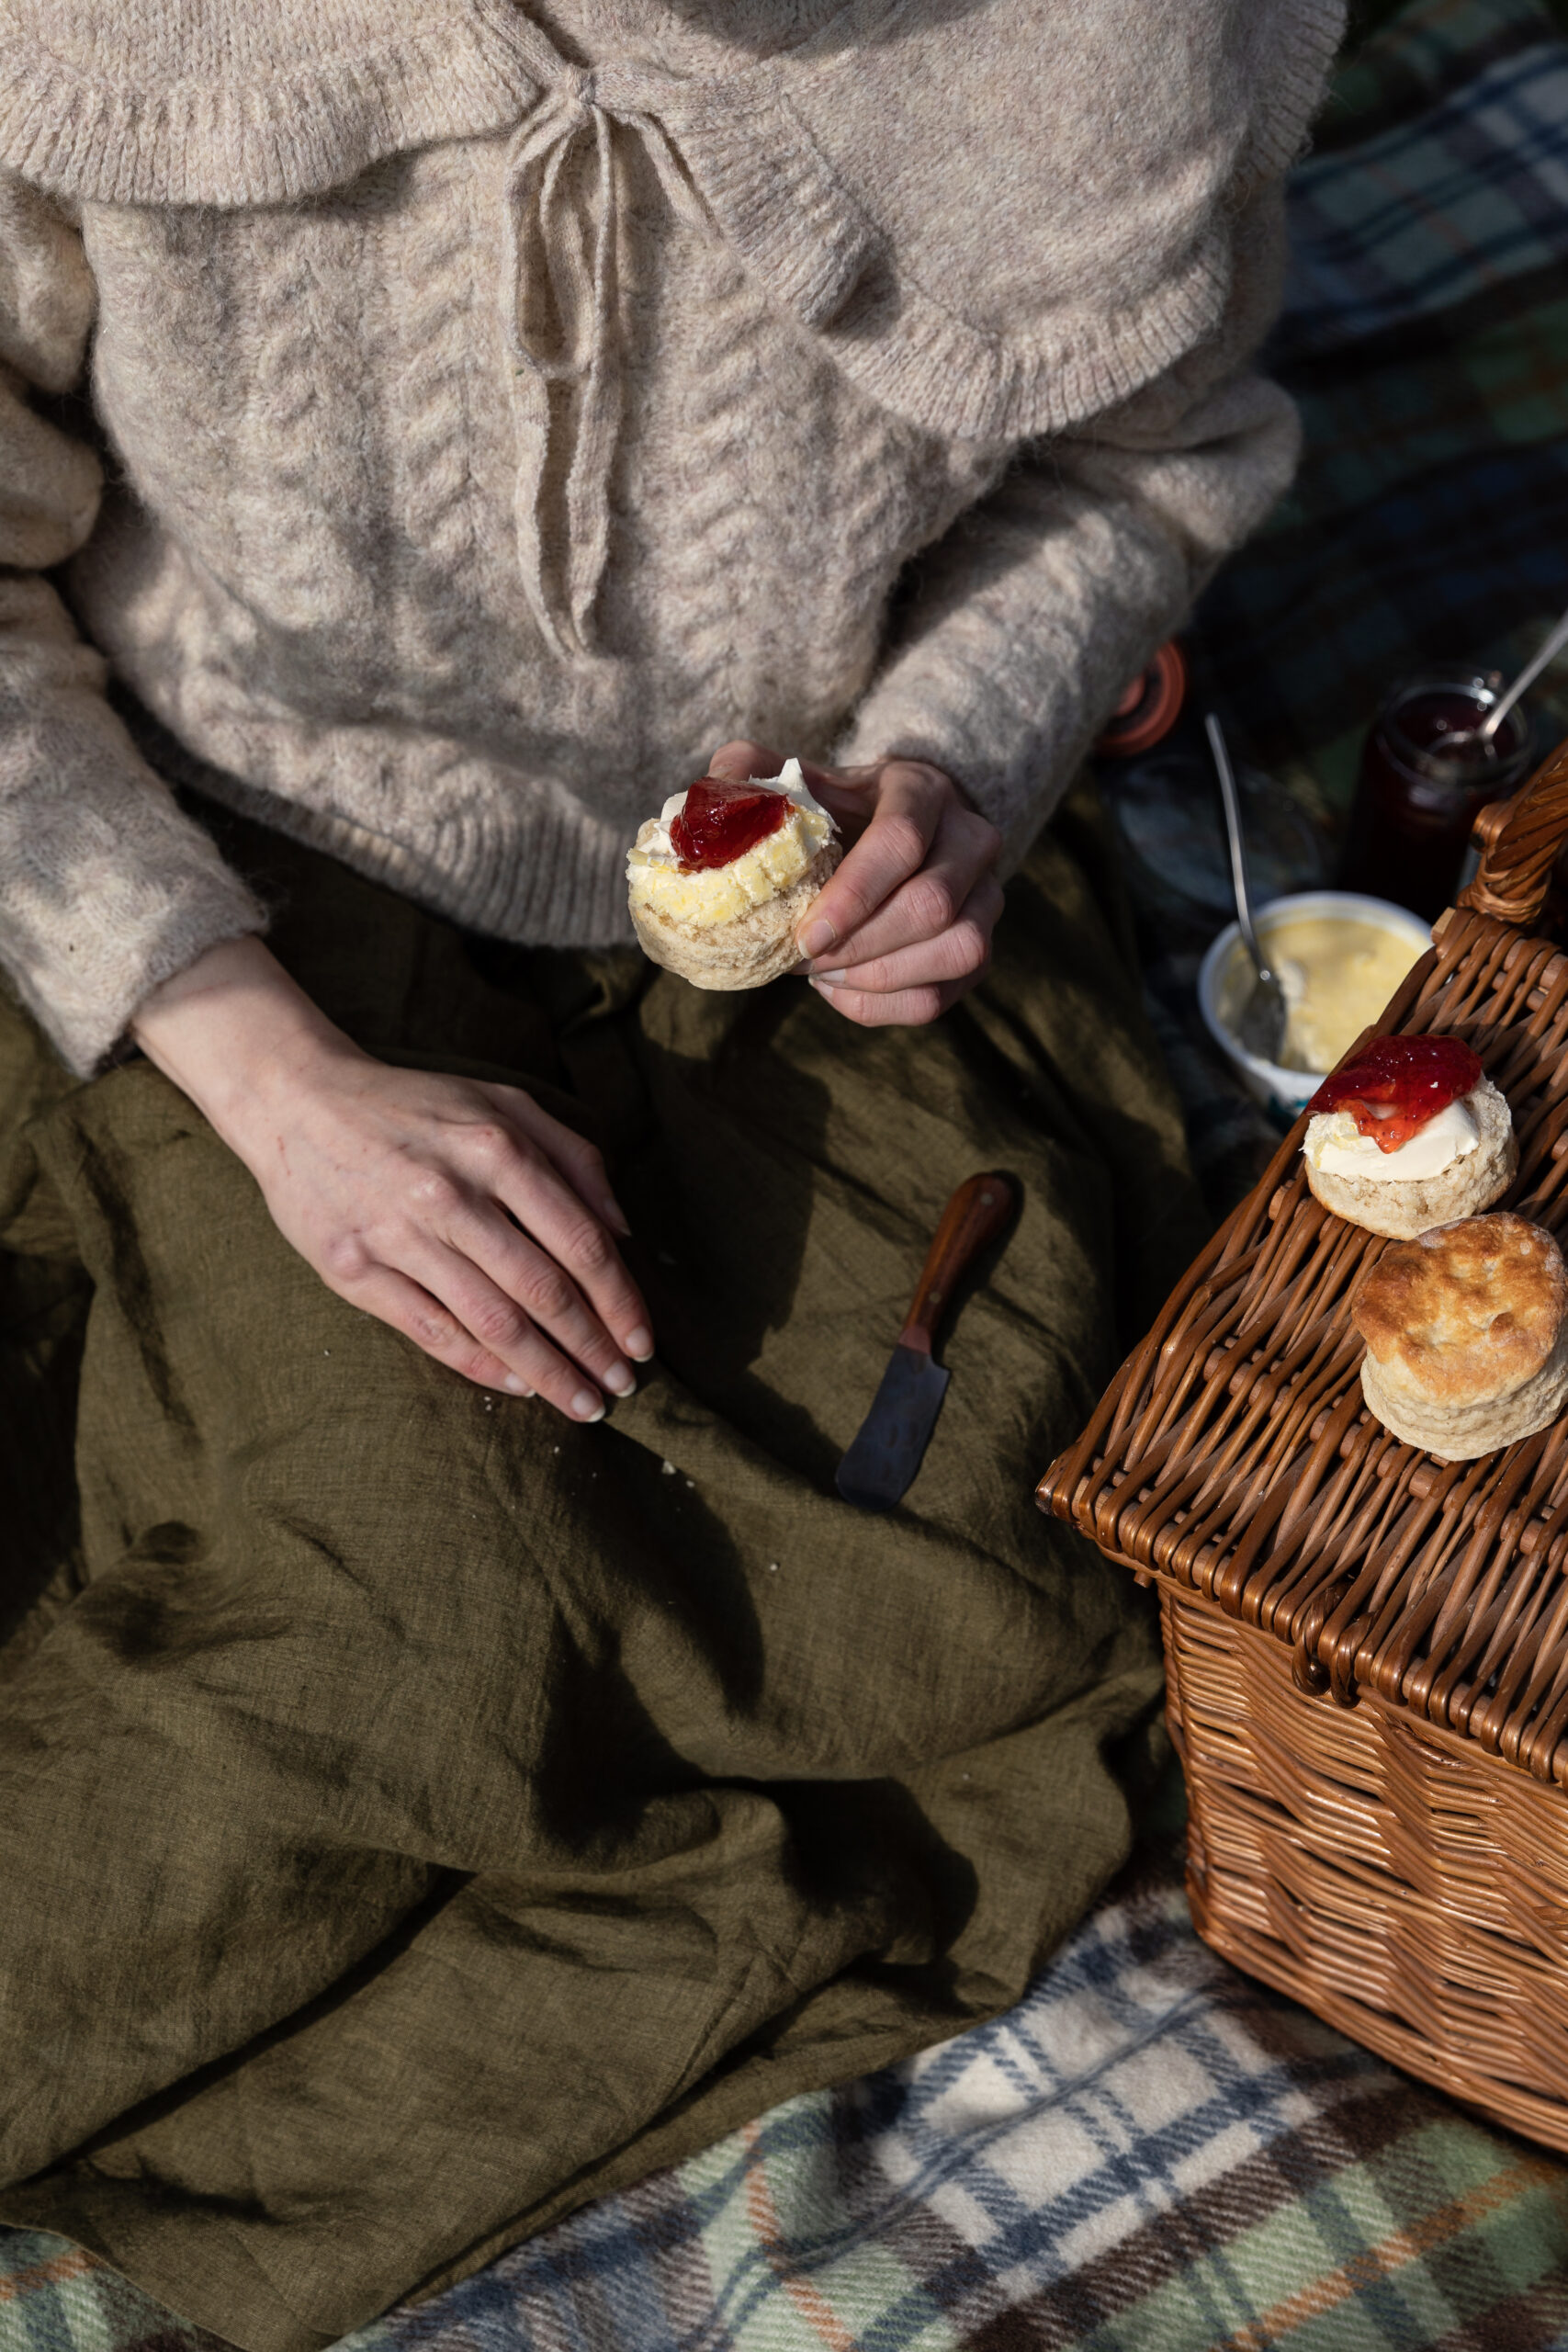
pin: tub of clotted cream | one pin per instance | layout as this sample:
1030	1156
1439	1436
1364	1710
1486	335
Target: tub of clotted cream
1339	957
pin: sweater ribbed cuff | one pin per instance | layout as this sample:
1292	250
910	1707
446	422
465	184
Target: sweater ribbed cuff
107	954
105	888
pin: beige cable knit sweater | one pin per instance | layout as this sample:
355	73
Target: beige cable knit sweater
501	403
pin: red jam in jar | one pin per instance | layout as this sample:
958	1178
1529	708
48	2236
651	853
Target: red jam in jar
1424	777
721	822
1397	1084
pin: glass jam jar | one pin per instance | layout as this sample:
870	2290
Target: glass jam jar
1422	782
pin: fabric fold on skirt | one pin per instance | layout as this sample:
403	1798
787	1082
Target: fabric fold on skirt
418	1815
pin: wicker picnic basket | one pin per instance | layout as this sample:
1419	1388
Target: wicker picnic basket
1367	1648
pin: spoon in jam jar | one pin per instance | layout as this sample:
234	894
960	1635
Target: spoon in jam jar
1465	740
1261	1024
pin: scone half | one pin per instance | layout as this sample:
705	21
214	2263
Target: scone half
729	921
1403	1207
1458	1433
745	951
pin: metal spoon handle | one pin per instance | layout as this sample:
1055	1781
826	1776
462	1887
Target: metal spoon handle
1527	677
1238	855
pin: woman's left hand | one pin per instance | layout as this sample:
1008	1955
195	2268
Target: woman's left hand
904	928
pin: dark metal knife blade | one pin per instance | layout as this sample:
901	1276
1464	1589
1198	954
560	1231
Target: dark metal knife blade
882	1462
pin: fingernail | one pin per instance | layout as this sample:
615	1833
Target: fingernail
817	937
639	1345
587	1406
620	1380
830	979
516	1385
615	1218
822	987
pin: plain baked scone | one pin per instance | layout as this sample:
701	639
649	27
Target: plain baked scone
1404	1206
1467	1335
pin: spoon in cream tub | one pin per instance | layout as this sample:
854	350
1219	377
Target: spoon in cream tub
1263	1018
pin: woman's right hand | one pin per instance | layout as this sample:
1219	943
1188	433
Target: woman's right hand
457	1210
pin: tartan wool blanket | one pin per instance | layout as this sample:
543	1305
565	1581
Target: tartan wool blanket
1151	2154
1425	338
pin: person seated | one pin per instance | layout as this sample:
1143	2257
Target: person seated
458	1751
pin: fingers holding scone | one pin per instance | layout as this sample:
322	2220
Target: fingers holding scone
730	888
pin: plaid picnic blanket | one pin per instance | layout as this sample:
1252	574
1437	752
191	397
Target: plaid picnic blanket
1424	337
1152	2153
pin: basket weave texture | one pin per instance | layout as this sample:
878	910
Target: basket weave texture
1367	1647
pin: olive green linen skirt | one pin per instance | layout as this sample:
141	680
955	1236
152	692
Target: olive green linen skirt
418	1815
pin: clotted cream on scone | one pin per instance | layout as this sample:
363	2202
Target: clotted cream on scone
720	880
1409	1134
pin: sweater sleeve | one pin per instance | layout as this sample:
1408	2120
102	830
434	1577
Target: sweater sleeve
106	889
1030	617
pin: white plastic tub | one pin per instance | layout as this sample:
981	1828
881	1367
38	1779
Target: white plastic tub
1226	969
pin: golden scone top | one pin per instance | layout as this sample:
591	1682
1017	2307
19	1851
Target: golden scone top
1466	1311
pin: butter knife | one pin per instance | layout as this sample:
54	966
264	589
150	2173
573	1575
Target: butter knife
881	1463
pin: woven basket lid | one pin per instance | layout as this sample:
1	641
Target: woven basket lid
1233	1455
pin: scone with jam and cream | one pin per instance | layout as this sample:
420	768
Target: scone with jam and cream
720	879
1409	1134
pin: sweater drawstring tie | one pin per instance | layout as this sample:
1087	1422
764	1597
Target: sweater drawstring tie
561	291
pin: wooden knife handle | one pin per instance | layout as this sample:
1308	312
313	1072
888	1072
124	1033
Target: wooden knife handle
976	1215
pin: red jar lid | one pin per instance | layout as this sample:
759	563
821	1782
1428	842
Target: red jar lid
1149	708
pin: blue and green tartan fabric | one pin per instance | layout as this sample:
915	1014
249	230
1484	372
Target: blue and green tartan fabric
1426	339
1432	212
1151	2154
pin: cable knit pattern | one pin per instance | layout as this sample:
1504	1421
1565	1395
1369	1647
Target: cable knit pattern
509	402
